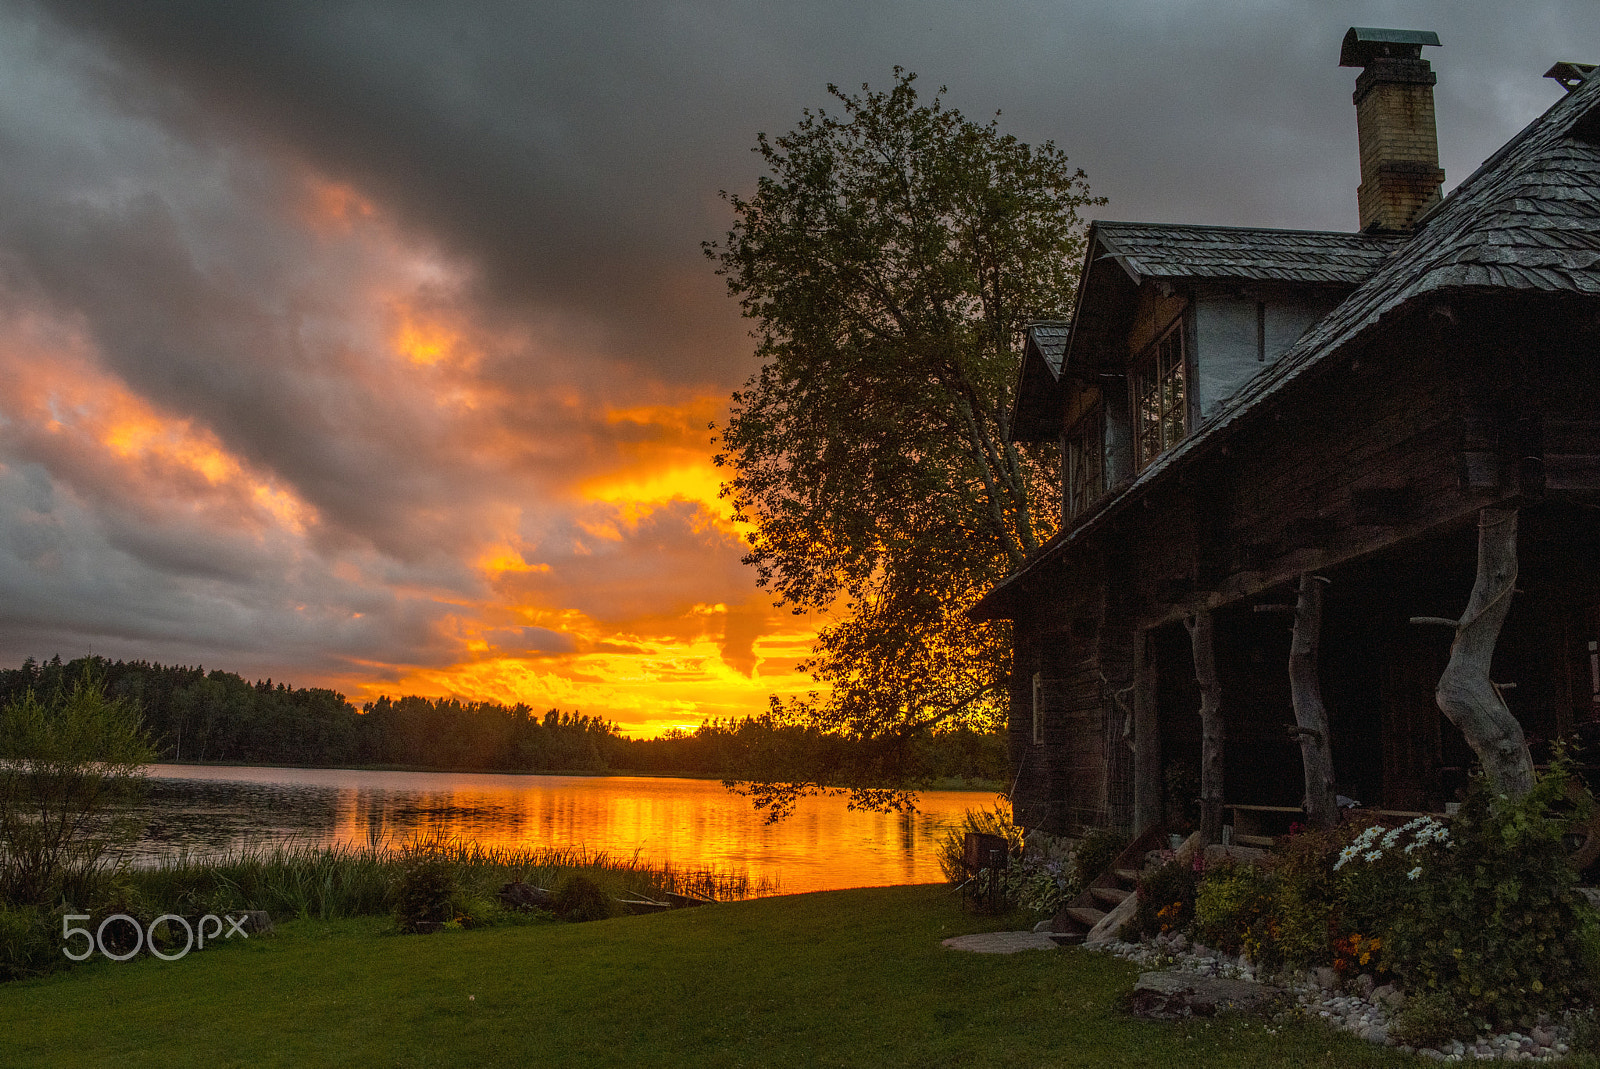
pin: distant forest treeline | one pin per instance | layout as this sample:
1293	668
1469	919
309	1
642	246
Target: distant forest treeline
216	716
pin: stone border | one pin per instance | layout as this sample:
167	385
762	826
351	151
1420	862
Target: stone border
1367	1014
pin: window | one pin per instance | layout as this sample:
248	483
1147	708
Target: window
1085	463
1160	398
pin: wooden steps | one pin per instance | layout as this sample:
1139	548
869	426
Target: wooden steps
1077	919
1111	896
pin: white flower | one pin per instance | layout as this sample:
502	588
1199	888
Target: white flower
1373	855
1414	873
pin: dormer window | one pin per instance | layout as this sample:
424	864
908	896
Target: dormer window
1085	463
1160	397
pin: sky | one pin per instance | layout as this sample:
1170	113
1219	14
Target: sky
370	345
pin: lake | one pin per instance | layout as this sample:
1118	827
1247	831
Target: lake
687	823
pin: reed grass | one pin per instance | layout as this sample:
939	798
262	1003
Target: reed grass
334	882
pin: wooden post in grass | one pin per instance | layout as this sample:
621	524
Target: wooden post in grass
1212	733
1311	717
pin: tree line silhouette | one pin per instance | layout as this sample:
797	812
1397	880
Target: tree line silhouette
195	715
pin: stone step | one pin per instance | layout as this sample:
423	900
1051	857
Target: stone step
1127	876
1068	939
1087	916
1111	896
1254	840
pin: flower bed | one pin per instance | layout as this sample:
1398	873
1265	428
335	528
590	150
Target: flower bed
1477	927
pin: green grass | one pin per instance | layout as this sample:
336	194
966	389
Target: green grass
849	978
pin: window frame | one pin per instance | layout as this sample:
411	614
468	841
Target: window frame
1158	395
1084	460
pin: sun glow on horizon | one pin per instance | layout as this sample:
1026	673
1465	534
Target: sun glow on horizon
562	545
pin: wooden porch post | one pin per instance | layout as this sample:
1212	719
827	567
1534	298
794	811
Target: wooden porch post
1465	693
1212	733
1311	717
1146	739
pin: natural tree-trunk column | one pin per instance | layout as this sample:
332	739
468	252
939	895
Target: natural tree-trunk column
1146	739
1465	693
1316	748
1211	729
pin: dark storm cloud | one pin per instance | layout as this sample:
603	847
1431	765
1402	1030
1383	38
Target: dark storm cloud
572	147
533	180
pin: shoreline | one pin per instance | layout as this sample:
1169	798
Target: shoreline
946	784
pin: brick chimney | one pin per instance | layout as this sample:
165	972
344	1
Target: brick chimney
1400	175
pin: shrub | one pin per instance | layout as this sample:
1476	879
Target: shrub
1428	1020
64	761
1234	911
1047	876
1165	901
1306	894
581	899
1485	916
423	892
994	820
1095	853
26	946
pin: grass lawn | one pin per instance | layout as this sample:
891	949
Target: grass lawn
840	978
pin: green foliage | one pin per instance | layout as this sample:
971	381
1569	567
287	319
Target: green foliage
1491	920
1046	878
65	759
1278	913
1166	898
581	899
1305	896
1429	1019
1233	911
424	891
891	258
989	820
1095	852
26	946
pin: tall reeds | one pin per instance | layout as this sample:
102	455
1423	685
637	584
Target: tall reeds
327	882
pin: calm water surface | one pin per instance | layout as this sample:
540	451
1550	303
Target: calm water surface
687	823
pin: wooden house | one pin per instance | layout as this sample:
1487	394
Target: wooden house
1238	408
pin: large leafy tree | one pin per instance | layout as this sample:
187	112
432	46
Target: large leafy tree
891	259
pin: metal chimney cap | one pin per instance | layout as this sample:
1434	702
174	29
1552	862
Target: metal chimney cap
1363	44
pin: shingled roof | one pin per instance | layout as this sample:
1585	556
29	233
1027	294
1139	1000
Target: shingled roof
1528	219
1051	335
1179	250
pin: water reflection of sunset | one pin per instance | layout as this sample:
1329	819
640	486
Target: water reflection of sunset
679	822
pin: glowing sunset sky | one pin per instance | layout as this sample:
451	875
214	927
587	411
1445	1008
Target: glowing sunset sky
369	345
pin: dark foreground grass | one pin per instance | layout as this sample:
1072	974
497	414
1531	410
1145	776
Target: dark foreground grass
845	978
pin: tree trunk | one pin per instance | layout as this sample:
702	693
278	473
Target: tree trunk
1311	718
1146	739
1465	693
1211	728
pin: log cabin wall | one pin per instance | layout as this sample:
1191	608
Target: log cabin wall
1059	720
